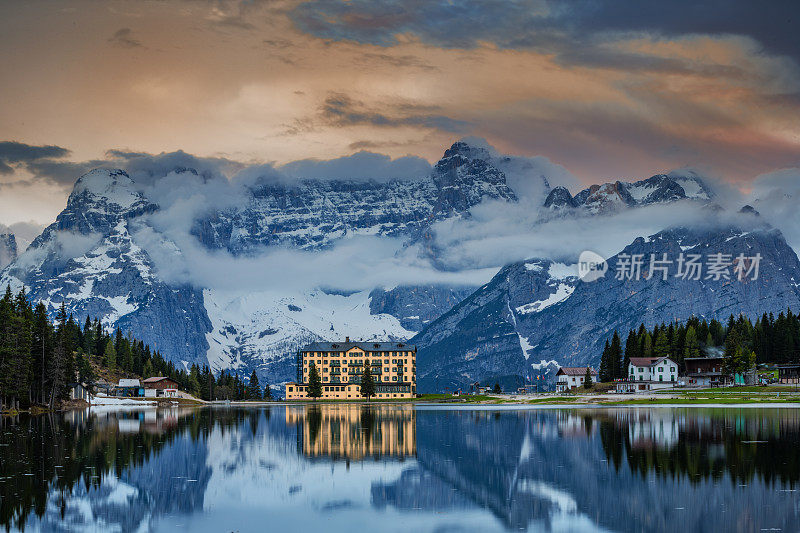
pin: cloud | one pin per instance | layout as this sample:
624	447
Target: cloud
143	167
497	233
359	166
13	153
25	233
530	177
776	195
396	61
382	262
123	38
62	173
545	26
340	110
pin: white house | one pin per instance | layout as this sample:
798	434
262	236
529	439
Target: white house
571	377
652	372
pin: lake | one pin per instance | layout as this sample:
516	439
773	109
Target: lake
405	468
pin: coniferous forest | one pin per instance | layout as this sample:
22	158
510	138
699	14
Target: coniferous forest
40	359
770	340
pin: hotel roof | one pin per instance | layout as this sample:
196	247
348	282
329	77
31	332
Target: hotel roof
366	346
647	361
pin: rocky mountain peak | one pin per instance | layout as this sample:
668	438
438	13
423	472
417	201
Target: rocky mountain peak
111	187
467	151
605	197
749	210
559	198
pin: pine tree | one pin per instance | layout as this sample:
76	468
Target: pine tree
497	389
647	345
314	382
57	371
709	340
617	369
267	392
253	387
631	350
587	378
605	365
7	345
147	371
110	355
691	346
661	348
367	382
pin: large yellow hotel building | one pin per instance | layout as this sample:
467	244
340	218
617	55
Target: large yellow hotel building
340	365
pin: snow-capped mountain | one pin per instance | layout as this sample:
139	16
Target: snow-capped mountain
534	316
97	259
610	197
312	214
117	252
88	260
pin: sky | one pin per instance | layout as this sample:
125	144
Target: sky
603	89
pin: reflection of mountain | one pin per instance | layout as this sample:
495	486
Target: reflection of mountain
539	468
353	432
474	470
114	478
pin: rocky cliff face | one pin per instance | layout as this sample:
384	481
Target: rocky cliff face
313	214
526	319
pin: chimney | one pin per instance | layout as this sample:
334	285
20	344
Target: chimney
347	339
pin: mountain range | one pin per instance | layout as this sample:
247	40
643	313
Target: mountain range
177	278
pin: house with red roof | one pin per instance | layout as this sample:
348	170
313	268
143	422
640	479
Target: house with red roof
649	373
569	377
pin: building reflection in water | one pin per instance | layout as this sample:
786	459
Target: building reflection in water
354	432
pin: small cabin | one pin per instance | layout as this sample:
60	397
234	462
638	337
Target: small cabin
160	387
129	388
570	377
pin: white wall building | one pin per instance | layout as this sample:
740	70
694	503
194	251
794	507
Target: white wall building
653	372
571	377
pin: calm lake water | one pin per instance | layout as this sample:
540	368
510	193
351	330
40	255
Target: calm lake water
332	468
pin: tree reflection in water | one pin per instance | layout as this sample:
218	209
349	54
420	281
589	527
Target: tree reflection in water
329	465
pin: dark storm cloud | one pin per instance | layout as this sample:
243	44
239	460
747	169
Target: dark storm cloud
123	38
62	173
144	167
561	28
13	153
341	110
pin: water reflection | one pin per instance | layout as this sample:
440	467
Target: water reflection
353	432
395	468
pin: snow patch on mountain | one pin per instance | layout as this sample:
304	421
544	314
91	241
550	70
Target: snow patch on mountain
264	329
108	187
561	293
